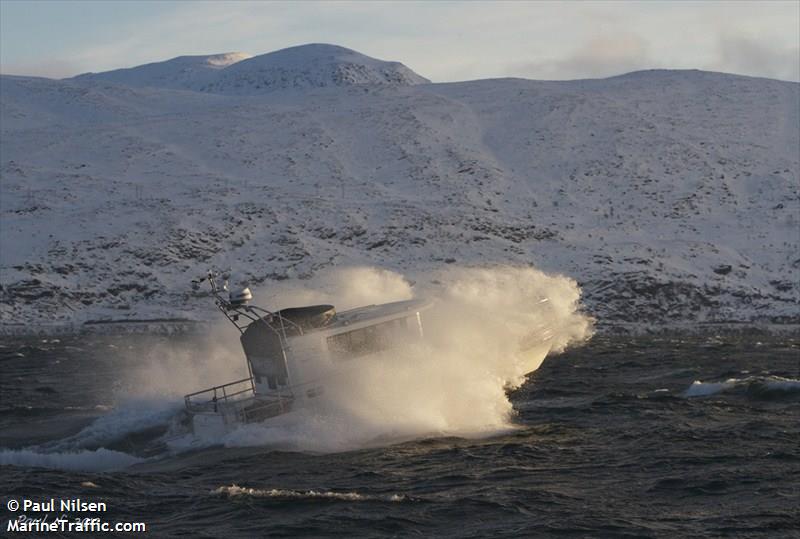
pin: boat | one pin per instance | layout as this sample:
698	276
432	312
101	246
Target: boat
290	353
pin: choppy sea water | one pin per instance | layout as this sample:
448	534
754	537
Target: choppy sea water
623	437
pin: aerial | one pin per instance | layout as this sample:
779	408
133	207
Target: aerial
377	269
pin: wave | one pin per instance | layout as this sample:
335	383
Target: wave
132	417
114	441
766	386
99	460
235	490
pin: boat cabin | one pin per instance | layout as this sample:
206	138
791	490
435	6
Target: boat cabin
290	352
281	347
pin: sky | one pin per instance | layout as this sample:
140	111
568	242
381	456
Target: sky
442	40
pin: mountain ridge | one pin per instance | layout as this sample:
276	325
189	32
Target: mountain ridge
181	72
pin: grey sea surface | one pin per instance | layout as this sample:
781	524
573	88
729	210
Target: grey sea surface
623	437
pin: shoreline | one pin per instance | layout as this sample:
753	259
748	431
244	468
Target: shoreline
115	327
189	327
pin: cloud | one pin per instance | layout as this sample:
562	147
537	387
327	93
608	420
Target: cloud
739	54
600	56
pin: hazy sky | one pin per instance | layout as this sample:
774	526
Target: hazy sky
444	41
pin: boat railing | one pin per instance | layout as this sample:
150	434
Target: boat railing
237	402
214	396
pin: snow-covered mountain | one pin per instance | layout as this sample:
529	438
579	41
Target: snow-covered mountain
671	196
305	66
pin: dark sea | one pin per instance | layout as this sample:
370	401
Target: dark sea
669	437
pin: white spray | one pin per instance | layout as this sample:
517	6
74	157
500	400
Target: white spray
455	384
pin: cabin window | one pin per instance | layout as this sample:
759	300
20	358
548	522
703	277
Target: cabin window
372	339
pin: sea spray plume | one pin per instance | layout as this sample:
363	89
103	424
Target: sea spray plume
514	300
169	369
346	288
149	400
157	376
453	384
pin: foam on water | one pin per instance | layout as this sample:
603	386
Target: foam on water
235	491
703	389
765	383
782	384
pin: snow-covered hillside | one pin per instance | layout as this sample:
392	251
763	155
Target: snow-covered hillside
671	196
